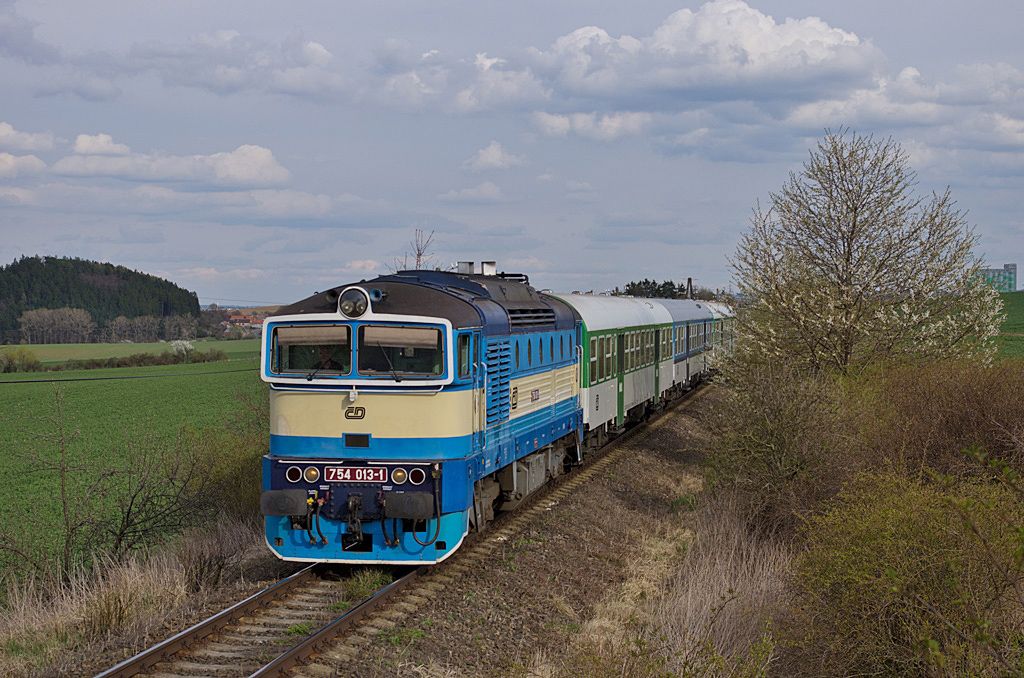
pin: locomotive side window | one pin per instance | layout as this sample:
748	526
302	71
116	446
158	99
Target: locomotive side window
400	351
305	349
464	357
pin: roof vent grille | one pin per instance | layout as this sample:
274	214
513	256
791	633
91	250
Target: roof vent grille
530	317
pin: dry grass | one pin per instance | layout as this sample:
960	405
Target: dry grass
52	627
717	607
696	601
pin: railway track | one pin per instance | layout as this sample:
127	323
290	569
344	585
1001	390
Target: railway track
304	625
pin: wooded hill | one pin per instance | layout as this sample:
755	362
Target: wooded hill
104	290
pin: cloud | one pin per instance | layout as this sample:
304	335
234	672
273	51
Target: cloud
725	49
13	195
482	193
493	156
225	62
604	127
99	144
18	40
18	165
496	84
24	141
247	165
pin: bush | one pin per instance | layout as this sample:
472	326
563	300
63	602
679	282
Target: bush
924	417
774	437
146	360
906	577
19	360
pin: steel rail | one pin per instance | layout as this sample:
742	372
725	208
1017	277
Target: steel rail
162	651
314	642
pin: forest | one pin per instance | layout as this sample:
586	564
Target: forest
105	292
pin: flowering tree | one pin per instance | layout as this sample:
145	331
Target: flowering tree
847	266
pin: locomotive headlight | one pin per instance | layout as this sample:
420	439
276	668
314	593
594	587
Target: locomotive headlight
311	474
399	476
293	474
417	476
353	303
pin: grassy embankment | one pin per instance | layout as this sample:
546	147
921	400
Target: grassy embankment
105	416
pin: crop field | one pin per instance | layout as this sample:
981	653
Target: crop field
1011	337
105	411
51	354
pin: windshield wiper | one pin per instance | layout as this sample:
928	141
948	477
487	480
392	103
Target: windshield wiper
390	364
322	365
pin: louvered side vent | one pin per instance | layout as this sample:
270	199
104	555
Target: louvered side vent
530	317
499	374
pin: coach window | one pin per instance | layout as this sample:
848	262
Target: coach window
593	359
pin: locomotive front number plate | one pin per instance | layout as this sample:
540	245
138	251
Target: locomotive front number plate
348	474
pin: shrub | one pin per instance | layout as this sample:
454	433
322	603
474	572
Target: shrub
906	577
19	360
924	417
774	433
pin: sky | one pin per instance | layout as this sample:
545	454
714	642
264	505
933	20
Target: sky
256	152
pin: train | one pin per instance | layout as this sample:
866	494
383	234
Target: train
406	411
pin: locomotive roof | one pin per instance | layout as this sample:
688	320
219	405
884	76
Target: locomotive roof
500	304
603	312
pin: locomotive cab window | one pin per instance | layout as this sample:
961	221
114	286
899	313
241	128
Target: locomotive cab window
464	356
400	351
312	349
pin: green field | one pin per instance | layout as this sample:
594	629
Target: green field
106	413
51	354
1011	337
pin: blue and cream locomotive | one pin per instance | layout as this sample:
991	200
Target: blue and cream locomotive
398	406
405	410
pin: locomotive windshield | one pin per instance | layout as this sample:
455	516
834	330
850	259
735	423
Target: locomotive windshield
400	351
320	349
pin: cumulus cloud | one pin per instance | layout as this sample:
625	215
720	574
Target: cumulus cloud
482	193
24	141
724	49
496	84
98	144
247	165
493	156
18	165
603	127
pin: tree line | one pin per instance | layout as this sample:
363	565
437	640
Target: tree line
76	325
667	289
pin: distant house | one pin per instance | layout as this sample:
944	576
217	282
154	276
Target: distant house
1003	279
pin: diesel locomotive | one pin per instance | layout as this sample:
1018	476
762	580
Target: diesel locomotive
406	410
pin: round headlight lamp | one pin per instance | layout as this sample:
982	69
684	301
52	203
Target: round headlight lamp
293	474
399	476
353	303
417	476
311	474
